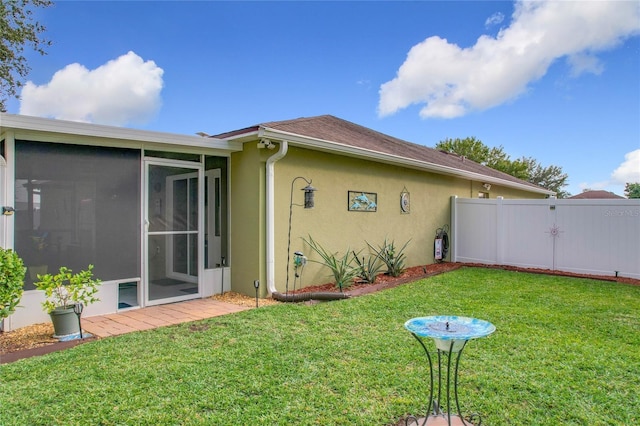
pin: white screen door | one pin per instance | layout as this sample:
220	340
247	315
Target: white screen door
172	232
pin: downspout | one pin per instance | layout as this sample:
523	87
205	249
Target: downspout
270	196
271	244
271	241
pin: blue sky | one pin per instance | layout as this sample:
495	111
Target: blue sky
559	82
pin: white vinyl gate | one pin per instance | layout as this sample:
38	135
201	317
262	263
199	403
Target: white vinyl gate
596	237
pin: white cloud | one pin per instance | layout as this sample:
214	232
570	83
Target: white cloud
584	62
494	19
452	81
123	91
595	186
629	170
366	83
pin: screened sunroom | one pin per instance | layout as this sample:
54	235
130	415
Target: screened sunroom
149	210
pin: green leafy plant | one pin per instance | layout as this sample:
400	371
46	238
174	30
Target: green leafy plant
12	272
368	267
393	258
65	289
341	267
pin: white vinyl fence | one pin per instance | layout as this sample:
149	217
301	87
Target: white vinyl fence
596	237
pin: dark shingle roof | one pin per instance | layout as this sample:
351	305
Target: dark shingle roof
596	195
332	129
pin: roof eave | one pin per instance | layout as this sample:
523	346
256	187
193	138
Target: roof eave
248	136
27	124
342	149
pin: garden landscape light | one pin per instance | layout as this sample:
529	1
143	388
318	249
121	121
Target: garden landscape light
256	285
77	309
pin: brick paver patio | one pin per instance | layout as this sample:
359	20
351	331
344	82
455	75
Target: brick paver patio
157	316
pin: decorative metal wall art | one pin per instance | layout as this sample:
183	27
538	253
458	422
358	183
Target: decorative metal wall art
405	202
360	201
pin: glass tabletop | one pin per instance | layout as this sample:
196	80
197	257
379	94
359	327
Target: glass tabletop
449	327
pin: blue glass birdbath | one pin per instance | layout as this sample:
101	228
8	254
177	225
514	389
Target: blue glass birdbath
450	334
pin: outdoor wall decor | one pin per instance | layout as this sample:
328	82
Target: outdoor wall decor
360	201
405	202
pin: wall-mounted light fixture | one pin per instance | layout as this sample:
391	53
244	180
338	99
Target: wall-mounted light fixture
266	143
486	186
8	210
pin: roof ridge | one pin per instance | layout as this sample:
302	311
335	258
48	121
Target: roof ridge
294	120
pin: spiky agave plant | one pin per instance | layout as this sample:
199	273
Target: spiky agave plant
393	258
368	267
341	266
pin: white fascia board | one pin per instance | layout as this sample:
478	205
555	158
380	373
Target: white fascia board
250	136
27	125
334	147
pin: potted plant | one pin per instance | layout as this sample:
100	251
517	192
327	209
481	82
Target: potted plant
12	272
63	292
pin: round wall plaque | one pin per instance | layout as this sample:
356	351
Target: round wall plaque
405	203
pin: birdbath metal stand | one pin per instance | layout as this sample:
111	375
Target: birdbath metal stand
450	334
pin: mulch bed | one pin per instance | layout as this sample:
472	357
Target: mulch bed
36	340
40	350
384	281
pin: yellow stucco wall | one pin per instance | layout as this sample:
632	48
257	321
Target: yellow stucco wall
330	223
337	229
247	236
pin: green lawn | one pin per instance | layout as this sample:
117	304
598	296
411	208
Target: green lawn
566	352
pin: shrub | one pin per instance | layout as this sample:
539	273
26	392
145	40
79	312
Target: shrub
394	259
368	267
12	272
341	267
